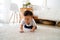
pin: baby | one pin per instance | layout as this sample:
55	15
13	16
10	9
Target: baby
28	22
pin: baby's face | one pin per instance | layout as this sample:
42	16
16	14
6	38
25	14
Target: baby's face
28	19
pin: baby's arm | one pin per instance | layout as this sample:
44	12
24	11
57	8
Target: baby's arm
34	26
33	29
21	28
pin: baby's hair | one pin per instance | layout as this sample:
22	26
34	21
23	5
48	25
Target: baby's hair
28	13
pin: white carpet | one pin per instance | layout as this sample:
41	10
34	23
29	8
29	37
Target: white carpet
11	32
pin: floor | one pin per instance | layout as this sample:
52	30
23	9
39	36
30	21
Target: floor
11	32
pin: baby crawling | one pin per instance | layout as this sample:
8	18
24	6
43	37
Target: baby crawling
28	22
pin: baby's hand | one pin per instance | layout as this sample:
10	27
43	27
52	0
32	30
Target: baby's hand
21	31
31	30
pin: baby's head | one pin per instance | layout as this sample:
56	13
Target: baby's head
28	15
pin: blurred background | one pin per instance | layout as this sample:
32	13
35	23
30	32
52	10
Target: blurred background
49	9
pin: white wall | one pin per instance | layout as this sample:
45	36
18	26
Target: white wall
53	3
52	11
4	10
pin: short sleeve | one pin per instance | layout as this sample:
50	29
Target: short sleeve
22	22
34	23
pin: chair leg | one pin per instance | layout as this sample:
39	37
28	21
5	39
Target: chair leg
10	17
14	19
17	18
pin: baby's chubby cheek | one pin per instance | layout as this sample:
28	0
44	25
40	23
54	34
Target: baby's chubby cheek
28	21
